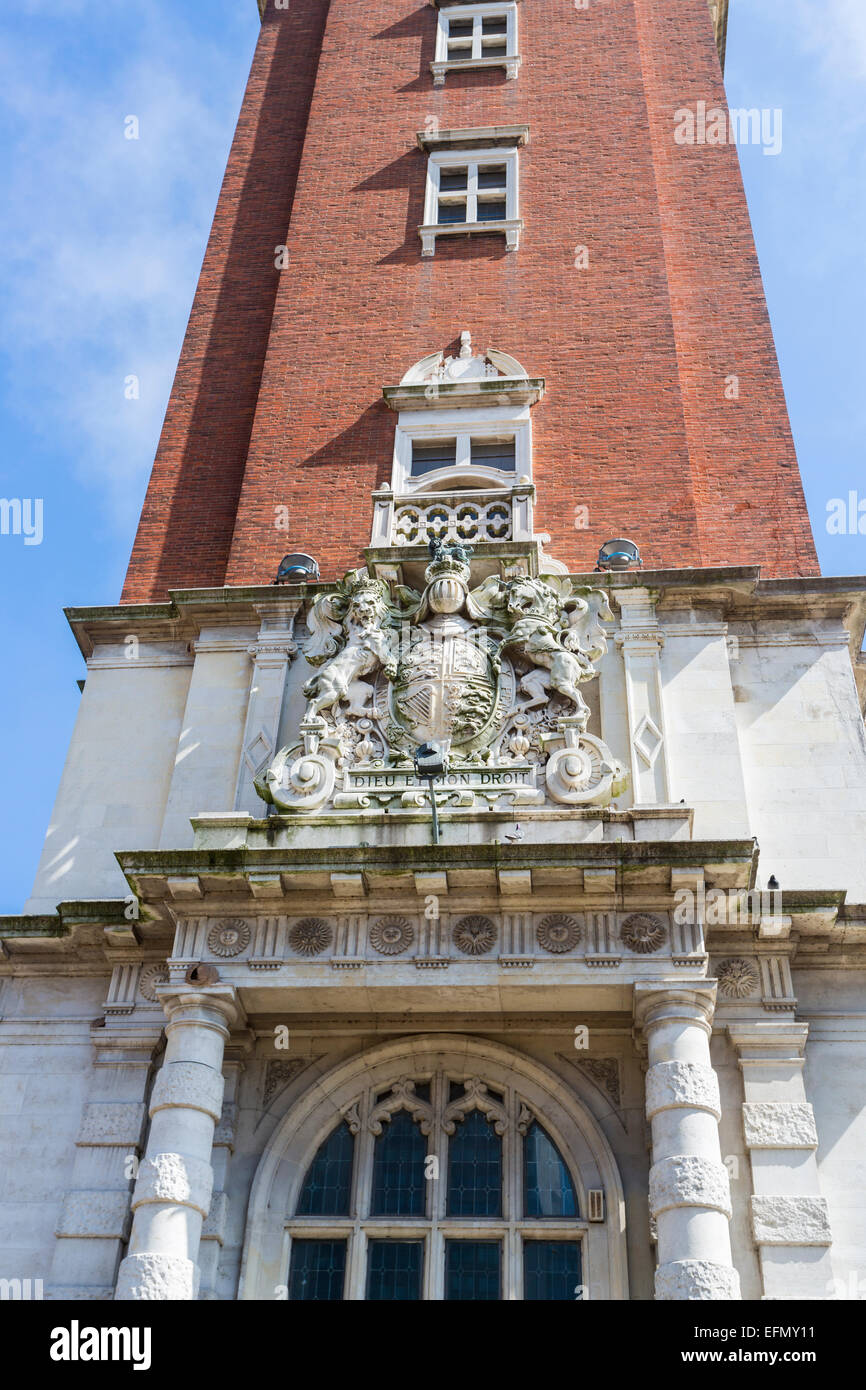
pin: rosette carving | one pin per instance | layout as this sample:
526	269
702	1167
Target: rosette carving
150	977
643	933
391	936
474	935
311	936
737	978
228	938
558	933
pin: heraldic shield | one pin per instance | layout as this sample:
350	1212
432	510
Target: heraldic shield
446	686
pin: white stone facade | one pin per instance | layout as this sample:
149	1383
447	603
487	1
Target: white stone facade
709	1114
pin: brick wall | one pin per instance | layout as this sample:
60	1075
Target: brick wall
635	349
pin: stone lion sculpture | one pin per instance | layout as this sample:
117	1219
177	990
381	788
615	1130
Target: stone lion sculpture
350	639
555	626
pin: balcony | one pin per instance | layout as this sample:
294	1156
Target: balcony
461	515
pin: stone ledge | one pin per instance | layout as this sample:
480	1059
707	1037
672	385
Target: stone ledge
215	1223
80	1293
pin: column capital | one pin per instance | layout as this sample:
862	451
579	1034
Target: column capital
212	1006
667	1000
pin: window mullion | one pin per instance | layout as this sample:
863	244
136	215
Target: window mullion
442	39
511	188
476	38
472	193
434	1274
511	1201
431	215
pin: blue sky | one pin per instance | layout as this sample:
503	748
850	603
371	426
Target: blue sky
102	240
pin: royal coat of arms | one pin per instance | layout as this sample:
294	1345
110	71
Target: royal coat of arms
493	673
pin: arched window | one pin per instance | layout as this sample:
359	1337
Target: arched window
439	1187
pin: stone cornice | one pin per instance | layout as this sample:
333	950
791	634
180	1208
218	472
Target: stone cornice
735	594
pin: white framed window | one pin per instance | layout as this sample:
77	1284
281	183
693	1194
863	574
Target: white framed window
471	191
476	36
471	448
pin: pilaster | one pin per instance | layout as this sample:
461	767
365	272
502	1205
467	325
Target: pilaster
94	1216
640	639
790	1220
272	653
209	747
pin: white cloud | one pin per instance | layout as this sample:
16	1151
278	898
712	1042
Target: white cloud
836	29
103	236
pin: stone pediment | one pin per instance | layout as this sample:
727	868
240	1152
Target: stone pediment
477	379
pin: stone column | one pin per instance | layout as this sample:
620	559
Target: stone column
689	1191
173	1192
790	1219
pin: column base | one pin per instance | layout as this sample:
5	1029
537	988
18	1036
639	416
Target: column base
697	1279
169	1278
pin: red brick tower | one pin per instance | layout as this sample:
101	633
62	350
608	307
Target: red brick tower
612	261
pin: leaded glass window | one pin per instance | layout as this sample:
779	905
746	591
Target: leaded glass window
548	1189
472	1270
394	1270
327	1186
318	1271
398	1169
551	1271
436	1187
475	1169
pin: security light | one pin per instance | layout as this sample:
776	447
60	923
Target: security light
619	554
297	569
431	761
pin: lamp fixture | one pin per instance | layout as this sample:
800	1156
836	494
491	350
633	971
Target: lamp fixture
297	569
619	554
